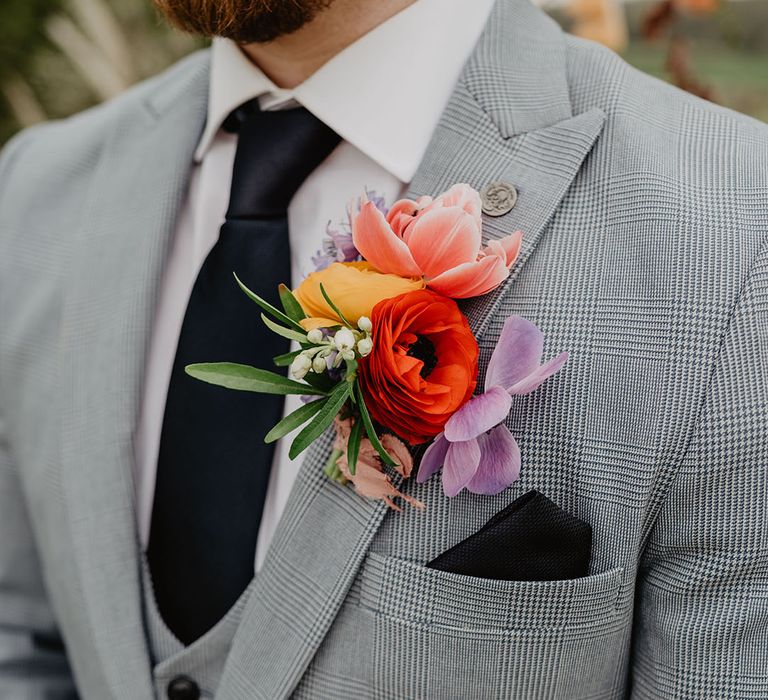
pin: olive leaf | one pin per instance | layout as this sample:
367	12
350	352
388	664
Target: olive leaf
246	378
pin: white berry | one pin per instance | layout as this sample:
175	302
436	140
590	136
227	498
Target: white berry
315	336
300	366
364	347
344	339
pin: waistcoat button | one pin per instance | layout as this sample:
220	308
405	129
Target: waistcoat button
183	688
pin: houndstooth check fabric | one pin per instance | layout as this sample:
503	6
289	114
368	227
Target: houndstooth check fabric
645	214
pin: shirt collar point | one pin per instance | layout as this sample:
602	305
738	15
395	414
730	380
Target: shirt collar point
206	141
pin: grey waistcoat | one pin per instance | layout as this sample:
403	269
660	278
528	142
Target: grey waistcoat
204	660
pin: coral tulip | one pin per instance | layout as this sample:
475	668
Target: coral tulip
438	240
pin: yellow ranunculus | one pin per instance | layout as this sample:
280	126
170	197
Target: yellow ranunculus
355	288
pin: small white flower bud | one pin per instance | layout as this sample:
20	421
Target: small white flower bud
315	336
344	339
364	324
364	347
318	364
303	361
300	366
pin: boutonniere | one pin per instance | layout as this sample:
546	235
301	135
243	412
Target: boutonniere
386	356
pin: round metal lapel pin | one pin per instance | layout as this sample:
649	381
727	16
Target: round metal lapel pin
498	198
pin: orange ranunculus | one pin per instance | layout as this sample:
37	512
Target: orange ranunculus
355	288
423	365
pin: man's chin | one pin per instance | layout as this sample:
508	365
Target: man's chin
243	21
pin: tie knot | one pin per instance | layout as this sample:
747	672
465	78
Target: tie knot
276	152
241	114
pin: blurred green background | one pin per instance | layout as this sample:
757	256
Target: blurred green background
727	48
58	57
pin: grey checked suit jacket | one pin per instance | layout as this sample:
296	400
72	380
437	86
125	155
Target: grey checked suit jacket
645	214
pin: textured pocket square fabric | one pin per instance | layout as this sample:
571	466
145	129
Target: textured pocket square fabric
532	539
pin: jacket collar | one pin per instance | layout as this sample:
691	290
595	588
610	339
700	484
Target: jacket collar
518	71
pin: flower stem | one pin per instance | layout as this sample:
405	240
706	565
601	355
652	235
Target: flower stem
332	470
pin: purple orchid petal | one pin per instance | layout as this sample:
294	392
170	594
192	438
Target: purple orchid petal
499	462
379	202
516	355
321	261
461	463
345	248
433	459
536	378
479	414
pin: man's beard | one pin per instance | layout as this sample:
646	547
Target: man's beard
244	21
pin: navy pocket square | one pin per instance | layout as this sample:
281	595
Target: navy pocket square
532	539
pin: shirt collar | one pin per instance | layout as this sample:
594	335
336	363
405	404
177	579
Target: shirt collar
384	93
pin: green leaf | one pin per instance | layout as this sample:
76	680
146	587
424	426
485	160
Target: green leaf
285	332
321	421
370	430
334	307
286	359
247	378
271	310
353	446
294	420
290	304
320	381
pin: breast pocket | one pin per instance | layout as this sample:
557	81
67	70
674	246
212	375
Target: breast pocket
442	635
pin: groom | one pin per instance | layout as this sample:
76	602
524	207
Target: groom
152	546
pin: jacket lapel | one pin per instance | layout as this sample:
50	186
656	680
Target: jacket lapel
540	164
138	187
509	119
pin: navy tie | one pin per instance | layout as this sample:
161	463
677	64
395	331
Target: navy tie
213	465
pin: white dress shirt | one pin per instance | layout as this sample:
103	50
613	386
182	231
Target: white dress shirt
383	95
